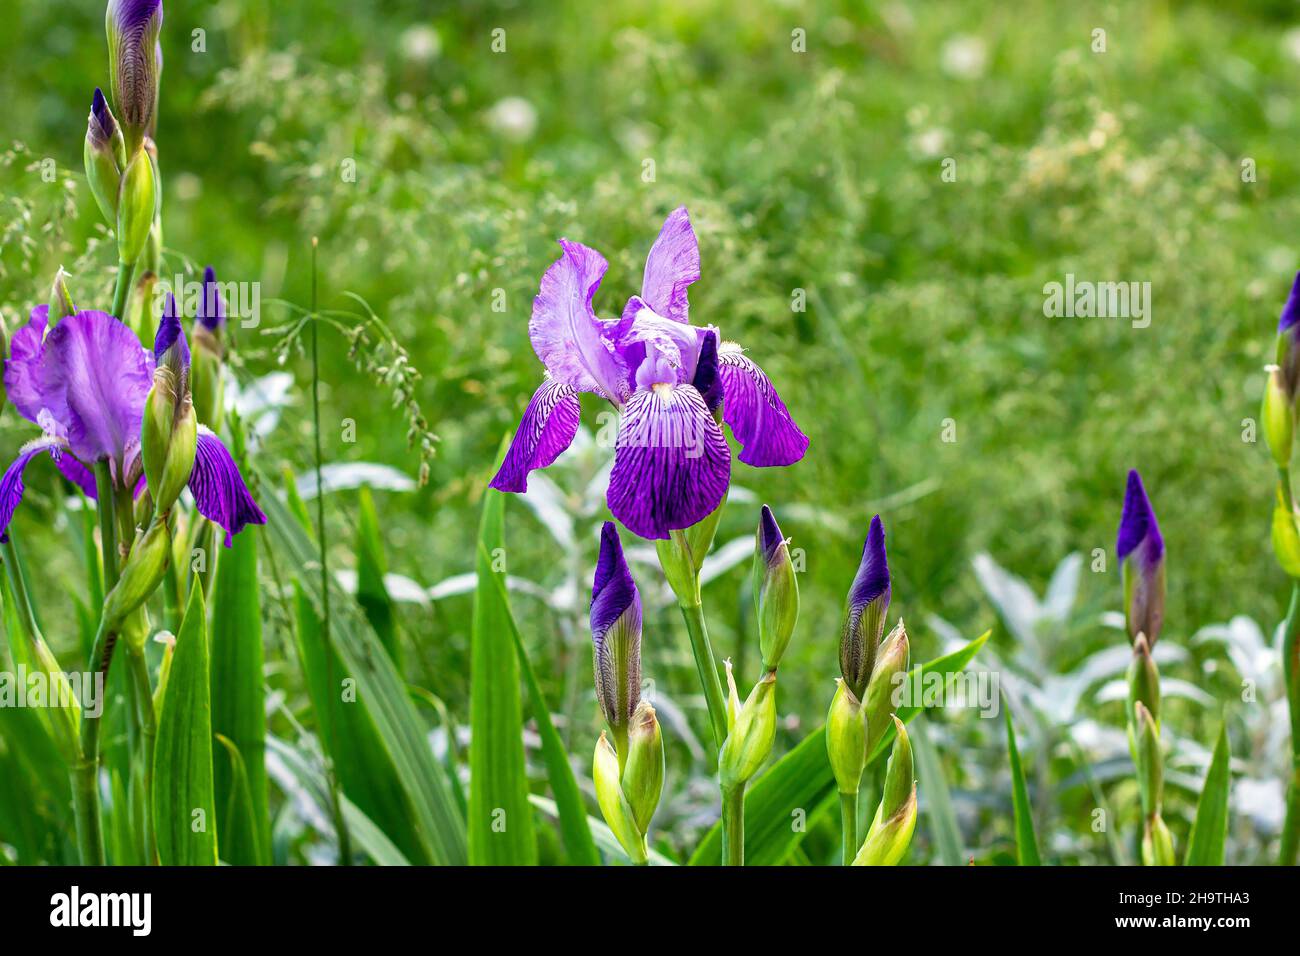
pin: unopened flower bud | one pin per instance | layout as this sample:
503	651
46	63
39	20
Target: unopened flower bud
141	576
135	207
895	820
643	772
776	592
1141	552
864	618
1157	843
613	804
206	376
134	63
883	689
846	738
1277	412
61	304
750	733
169	431
1144	678
1150	766
104	154
615	634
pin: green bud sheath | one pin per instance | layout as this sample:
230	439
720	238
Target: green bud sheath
62	709
643	774
885	685
1286	538
140	578
846	738
1277	412
1149	764
751	735
61	304
679	567
699	536
168	640
613	805
1144	679
205	375
1157	842
135	207
895	821
776	602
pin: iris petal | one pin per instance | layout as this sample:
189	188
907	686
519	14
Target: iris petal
672	265
11	485
94	379
218	488
22	368
572	343
756	414
671	465
546	430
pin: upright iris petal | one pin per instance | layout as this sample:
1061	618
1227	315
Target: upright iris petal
212	308
615	631
169	344
218	488
23	367
1141	553
672	265
133	50
864	620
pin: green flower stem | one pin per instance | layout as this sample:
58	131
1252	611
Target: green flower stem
142	692
708	668
85	804
18	584
107	523
733	826
121	290
849	826
1291	669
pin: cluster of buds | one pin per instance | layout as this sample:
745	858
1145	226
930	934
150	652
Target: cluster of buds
629	773
751	725
865	699
121	158
1140	549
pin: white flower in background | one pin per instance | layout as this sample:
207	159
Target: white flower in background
964	57
1291	43
421	43
514	118
931	142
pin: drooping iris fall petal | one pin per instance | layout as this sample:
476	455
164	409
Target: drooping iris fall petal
549	424
11	485
755	413
218	488
671	464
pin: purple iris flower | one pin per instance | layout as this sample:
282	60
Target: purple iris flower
85	382
615	631
665	376
864	619
1141	553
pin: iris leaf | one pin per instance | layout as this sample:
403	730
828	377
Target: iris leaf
1206	846
1026	842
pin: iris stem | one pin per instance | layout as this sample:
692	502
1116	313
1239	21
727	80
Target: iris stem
849	826
121	289
107	523
707	666
733	826
138	674
1290	844
85	778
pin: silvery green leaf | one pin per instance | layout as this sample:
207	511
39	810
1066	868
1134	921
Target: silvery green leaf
545	499
399	586
725	558
349	475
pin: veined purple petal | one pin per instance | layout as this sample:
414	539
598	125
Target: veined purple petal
755	412
656	350
1291	311
1137	524
94	377
78	474
218	488
23	367
133	27
547	429
567	336
169	335
671	464
212	308
872	579
615	630
707	381
11	485
672	265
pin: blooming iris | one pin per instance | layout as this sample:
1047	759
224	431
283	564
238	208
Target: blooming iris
1141	553
84	382
665	376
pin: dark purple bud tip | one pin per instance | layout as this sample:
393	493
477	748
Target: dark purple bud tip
872	580
170	335
102	116
1137	524
212	309
615	631
770	534
707	381
613	589
1291	311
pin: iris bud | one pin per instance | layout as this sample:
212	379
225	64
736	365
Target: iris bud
1141	552
132	27
61	304
846	738
104	154
1157	843
141	576
882	690
135	207
615	634
895	820
169	431
643	772
613	804
1277	412
751	730
206	376
864	618
1150	767
776	592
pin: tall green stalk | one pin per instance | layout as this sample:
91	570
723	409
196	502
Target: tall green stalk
1291	669
707	666
848	827
733	826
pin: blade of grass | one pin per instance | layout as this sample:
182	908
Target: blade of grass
239	701
1026	842
500	821
372	594
1207	844
932	785
184	805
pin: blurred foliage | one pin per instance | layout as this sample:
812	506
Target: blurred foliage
816	171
